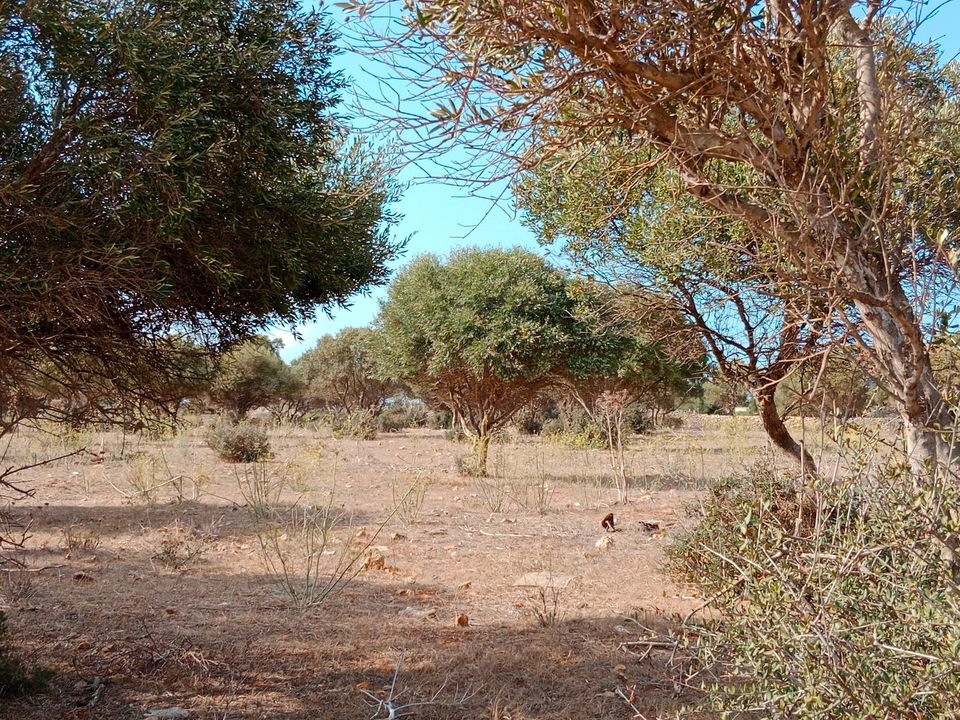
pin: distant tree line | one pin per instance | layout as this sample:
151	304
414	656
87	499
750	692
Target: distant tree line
489	338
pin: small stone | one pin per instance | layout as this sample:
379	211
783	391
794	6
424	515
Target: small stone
419	614
604	543
462	620
168	713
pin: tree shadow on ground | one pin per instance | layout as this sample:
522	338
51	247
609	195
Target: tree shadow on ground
223	645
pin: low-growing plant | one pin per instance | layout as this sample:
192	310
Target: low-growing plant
16	583
585	439
492	492
403	415
529	421
838	599
295	547
260	489
467	465
244	442
142	479
17	678
408	496
78	538
455	434
545	605
178	550
536	494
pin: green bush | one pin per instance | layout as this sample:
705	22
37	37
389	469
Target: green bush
574	428
358	424
440	419
404	415
15	677
243	443
639	420
672	422
834	602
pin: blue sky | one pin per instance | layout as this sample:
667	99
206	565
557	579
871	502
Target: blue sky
438	217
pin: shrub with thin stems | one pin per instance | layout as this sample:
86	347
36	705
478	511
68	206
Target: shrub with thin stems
409	495
260	489
837	598
356	425
245	442
296	548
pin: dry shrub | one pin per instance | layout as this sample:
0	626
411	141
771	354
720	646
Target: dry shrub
241	443
836	601
404	415
409	495
356	424
295	549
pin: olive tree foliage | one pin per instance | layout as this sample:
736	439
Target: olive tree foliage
173	178
630	345
339	373
827	128
482	333
652	236
251	376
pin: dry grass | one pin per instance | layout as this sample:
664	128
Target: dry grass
169	601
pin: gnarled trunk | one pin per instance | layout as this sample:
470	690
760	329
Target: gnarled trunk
777	430
904	360
481	450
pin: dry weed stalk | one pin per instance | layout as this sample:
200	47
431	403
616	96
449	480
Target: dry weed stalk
408	500
77	537
390	707
492	492
259	489
612	409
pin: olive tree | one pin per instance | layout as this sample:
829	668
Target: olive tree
633	344
827	128
652	237
632	348
339	373
250	376
482	333
174	178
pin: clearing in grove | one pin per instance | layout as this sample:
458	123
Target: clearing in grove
164	581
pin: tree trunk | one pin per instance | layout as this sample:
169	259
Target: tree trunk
481	449
777	430
905	361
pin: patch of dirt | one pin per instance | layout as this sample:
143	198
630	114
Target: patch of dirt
156	581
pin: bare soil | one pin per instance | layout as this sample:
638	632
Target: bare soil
156	582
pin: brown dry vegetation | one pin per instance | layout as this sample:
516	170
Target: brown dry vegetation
156	580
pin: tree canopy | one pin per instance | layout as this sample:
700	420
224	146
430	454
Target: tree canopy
250	376
828	129
169	170
482	333
339	373
631	342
